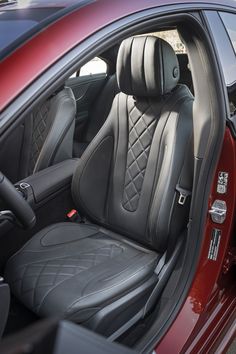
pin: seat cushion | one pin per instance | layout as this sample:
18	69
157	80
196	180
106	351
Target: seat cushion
73	270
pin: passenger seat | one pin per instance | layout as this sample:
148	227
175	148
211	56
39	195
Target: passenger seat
49	130
103	104
133	186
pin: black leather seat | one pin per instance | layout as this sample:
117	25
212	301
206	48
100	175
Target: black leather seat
125	184
98	114
49	131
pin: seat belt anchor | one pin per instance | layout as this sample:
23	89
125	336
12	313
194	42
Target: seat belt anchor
183	194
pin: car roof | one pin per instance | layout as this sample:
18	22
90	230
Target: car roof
29	4
23	4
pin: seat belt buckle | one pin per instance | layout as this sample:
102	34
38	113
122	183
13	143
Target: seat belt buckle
74	216
183	194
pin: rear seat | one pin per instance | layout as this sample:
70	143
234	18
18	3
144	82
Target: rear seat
98	114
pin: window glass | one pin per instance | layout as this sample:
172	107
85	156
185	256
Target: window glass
94	66
172	37
15	24
11	30
229	21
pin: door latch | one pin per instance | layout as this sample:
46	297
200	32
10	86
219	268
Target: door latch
218	211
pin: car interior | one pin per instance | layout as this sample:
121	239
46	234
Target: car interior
107	163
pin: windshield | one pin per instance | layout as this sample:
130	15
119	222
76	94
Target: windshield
15	23
21	19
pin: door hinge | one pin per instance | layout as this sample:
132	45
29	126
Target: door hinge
230	260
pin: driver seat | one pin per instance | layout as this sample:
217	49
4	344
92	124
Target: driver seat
101	272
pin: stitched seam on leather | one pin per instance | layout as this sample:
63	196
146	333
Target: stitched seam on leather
144	76
39	118
45	260
160	177
157	174
108	288
180	174
27	243
58	226
57	142
129	178
131	79
58	284
44	297
115	150
88	284
41	152
36	284
66	258
122	295
57	145
113	163
78	188
78	172
22	277
183	99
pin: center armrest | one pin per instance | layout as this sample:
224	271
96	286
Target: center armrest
47	182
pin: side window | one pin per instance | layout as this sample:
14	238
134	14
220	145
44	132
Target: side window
93	67
172	37
229	21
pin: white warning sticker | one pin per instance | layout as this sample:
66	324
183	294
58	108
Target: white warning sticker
214	245
222	182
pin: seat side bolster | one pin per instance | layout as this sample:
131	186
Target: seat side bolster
174	144
90	184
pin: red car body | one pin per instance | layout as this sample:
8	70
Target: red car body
207	319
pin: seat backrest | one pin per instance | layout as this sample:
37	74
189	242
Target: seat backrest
101	108
127	178
49	132
98	114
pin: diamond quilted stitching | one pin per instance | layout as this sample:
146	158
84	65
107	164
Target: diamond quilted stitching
141	130
35	280
40	129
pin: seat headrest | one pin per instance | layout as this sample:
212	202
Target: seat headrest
147	66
